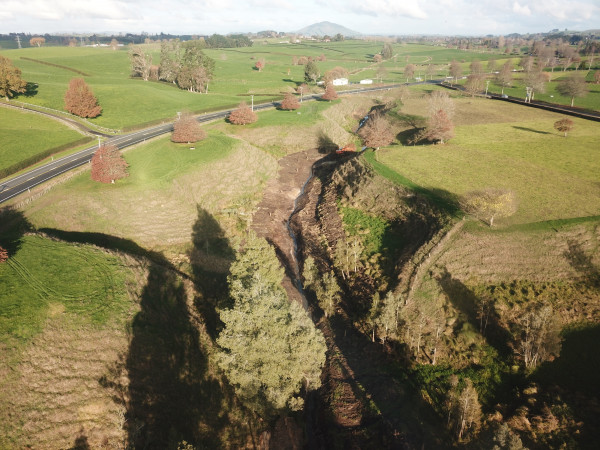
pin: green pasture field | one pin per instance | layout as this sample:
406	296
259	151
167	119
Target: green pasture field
45	273
127	102
24	135
156	205
551	95
499	145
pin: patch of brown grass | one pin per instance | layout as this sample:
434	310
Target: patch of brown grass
55	395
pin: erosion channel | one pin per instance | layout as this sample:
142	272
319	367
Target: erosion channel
365	400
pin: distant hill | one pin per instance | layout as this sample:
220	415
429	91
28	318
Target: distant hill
327	28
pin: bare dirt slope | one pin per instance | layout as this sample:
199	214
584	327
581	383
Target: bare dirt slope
270	220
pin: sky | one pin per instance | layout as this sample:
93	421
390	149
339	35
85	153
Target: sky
379	17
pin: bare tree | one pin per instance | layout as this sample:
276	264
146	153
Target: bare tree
538	335
504	77
573	86
376	132
37	41
335	73
114	44
490	203
476	67
430	71
564	125
440	100
474	84
409	71
455	70
439	127
468	409
140	62
536	80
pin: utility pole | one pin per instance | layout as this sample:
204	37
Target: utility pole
19	41
252	95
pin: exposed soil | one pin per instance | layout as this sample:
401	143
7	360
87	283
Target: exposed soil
270	220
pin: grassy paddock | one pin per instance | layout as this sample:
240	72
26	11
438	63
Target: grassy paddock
157	204
127	102
26	135
511	147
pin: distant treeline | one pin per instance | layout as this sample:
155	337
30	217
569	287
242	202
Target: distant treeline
215	41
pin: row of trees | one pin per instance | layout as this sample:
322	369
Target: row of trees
181	63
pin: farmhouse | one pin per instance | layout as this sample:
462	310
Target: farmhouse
340	82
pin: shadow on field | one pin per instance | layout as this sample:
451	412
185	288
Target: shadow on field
583	263
531	130
372	401
479	312
574	374
13	225
325	144
171	395
210	257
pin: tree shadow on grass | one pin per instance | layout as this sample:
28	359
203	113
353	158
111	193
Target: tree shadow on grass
210	256
172	395
325	144
531	130
582	263
476	311
13	225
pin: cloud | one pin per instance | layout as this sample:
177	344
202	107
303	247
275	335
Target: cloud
388	8
521	10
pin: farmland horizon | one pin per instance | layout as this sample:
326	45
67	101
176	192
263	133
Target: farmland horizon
438	17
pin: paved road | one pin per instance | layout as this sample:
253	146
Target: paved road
19	184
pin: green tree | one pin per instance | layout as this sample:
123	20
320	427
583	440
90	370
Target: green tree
170	60
311	72
196	68
387	51
11	82
330	295
270	349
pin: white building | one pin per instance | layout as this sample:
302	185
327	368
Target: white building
367	81
340	82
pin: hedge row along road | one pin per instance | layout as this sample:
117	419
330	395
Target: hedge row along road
24	182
